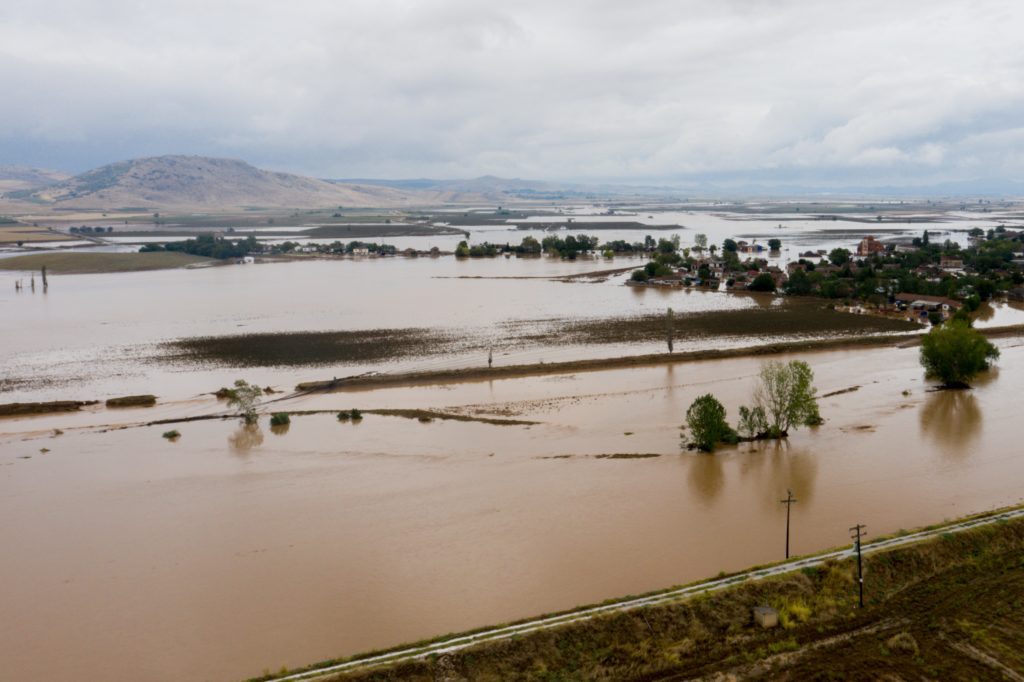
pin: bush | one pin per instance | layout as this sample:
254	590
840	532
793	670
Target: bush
955	353
355	414
172	435
280	419
639	276
344	416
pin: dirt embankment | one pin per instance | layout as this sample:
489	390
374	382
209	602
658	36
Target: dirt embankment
24	409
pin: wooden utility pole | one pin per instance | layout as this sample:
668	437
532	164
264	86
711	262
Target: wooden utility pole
668	328
857	535
490	357
46	285
789	505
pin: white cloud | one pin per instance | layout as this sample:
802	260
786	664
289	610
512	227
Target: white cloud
600	89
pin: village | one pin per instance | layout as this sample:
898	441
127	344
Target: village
917	281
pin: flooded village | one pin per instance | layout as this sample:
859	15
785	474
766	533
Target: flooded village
446	341
519	420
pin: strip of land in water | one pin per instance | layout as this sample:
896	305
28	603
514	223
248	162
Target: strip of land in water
790	319
92	263
370	381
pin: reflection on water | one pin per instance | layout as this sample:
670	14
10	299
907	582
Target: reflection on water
706	477
951	419
279	429
245	438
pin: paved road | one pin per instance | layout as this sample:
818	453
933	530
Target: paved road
499	633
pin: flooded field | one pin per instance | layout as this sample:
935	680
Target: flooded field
235	550
98	335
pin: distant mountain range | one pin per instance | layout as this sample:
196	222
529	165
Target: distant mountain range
22	178
198	182
202	182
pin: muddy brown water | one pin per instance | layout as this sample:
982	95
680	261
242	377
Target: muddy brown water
231	551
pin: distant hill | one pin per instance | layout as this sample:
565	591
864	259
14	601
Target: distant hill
205	182
25	178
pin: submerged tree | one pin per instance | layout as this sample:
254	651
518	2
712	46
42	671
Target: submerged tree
752	422
786	395
245	397
706	421
955	353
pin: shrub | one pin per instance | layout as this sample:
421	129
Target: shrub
343	416
355	414
280	419
172	435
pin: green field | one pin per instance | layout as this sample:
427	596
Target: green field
88	263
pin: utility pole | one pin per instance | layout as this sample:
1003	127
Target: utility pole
46	285
857	535
789	505
490	357
668	328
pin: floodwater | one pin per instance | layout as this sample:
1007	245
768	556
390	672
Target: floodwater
231	551
91	336
797	233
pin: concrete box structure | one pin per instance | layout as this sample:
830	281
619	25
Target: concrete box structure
766	616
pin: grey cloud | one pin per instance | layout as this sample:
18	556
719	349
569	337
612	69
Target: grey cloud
597	90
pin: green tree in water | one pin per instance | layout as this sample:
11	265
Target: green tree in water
246	398
787	397
954	353
706	421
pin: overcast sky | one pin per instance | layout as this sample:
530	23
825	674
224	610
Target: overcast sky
646	90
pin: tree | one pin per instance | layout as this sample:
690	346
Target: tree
763	282
706	421
799	284
786	394
752	422
245	397
839	256
730	246
955	353
700	241
774	244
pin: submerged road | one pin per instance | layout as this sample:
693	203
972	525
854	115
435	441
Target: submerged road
526	627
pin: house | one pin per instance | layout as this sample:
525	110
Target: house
925	302
360	251
951	263
869	246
